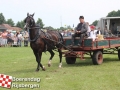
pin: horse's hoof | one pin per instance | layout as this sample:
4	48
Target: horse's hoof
43	68
49	65
60	66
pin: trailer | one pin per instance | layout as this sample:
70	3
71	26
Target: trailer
95	49
110	23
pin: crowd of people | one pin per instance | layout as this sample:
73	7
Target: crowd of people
8	38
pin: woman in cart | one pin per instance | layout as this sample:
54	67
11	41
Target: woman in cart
93	33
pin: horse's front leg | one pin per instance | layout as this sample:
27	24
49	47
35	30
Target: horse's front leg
50	59
60	56
40	55
37	60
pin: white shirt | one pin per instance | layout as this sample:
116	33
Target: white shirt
62	33
99	32
20	36
93	34
88	29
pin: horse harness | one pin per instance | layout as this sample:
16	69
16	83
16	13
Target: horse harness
46	36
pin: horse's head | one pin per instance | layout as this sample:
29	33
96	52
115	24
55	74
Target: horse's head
29	21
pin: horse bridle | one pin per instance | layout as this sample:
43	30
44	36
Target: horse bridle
27	26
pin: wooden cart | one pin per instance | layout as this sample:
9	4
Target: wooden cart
96	49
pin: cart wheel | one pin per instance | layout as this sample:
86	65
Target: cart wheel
119	54
97	57
70	60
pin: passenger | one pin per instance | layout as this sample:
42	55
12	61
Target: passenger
99	32
80	31
88	31
93	33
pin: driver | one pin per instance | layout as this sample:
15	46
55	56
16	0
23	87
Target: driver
80	31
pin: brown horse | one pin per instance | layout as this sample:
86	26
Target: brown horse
41	41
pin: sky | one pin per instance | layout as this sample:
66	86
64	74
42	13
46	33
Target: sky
53	12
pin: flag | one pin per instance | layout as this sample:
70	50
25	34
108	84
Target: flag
5	81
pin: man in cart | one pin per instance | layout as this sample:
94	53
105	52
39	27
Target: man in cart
80	31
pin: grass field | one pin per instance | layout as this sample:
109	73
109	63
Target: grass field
20	62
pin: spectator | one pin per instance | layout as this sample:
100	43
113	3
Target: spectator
12	35
15	39
72	32
106	32
9	39
62	33
69	33
4	36
65	33
1	39
26	37
19	36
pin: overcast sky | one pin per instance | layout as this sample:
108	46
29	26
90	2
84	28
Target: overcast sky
50	11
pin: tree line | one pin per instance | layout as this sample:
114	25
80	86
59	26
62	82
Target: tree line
19	24
40	22
110	14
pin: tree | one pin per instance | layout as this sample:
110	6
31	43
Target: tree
49	28
95	23
39	21
20	24
62	28
10	22
69	27
114	14
2	18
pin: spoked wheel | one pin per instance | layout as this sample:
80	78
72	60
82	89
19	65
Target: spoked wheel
97	57
70	60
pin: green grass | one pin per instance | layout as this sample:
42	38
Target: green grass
20	62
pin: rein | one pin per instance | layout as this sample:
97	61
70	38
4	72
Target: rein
59	43
36	36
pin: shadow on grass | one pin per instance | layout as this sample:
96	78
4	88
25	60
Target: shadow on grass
88	62
106	60
80	63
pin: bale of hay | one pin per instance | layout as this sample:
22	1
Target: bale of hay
100	37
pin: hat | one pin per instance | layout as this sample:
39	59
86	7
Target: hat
92	26
81	17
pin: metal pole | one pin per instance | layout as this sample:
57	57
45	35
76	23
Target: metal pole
61	20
